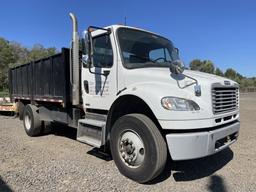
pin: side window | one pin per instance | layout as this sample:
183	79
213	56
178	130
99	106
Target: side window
159	55
102	51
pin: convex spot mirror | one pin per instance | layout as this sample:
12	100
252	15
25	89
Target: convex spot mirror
177	67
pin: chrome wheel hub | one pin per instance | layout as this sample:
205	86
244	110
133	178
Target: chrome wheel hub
131	149
27	122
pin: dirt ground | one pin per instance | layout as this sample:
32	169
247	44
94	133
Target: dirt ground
57	162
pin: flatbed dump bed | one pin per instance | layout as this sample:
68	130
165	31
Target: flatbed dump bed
44	80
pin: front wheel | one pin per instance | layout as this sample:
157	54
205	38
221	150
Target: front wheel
138	148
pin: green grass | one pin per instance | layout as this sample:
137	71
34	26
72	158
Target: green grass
4	94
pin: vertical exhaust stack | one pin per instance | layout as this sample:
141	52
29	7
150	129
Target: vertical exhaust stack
75	61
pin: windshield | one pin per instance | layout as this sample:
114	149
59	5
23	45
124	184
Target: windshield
142	49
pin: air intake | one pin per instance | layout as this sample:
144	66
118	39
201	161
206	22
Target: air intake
224	98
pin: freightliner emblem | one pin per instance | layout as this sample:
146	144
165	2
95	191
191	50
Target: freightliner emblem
226	82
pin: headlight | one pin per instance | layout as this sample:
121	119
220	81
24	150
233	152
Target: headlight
179	104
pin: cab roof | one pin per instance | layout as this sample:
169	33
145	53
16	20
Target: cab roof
116	26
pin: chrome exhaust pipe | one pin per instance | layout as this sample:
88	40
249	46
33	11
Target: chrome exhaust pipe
74	64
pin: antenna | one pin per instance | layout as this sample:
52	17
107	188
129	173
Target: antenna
125	20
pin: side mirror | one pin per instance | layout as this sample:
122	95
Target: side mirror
85	61
177	50
82	46
90	48
177	67
90	43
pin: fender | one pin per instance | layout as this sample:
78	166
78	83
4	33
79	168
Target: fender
152	93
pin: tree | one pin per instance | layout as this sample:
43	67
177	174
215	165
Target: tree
13	53
196	65
207	67
38	52
204	66
230	73
20	52
219	72
6	56
254	81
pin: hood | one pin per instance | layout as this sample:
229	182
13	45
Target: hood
153	84
163	75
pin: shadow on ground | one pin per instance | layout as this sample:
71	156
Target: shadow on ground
195	169
182	170
7	113
4	187
68	132
63	131
217	184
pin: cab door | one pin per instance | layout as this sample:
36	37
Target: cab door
99	91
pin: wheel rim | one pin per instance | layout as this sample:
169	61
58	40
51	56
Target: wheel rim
27	121
131	149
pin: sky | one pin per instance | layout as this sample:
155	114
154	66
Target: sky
223	31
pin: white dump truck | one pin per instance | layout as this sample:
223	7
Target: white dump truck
126	91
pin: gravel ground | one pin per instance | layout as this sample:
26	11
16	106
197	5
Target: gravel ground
57	162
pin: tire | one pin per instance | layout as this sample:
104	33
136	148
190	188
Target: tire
21	108
31	121
140	169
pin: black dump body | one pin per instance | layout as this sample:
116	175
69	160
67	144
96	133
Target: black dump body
44	80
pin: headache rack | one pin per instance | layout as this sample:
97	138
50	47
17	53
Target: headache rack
224	98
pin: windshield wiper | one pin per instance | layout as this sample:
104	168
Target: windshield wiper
144	58
143	65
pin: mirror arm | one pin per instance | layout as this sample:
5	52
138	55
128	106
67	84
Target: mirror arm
105	72
195	82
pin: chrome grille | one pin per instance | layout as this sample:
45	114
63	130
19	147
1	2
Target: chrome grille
224	99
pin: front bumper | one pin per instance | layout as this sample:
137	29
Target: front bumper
192	145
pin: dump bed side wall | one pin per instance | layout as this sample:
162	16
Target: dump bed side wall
43	80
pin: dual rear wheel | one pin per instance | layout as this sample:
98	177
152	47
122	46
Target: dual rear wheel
32	123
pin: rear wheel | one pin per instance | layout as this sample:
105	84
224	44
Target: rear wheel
21	108
31	121
138	147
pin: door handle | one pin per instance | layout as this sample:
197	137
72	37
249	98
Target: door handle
86	86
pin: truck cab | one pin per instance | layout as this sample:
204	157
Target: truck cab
197	113
139	101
